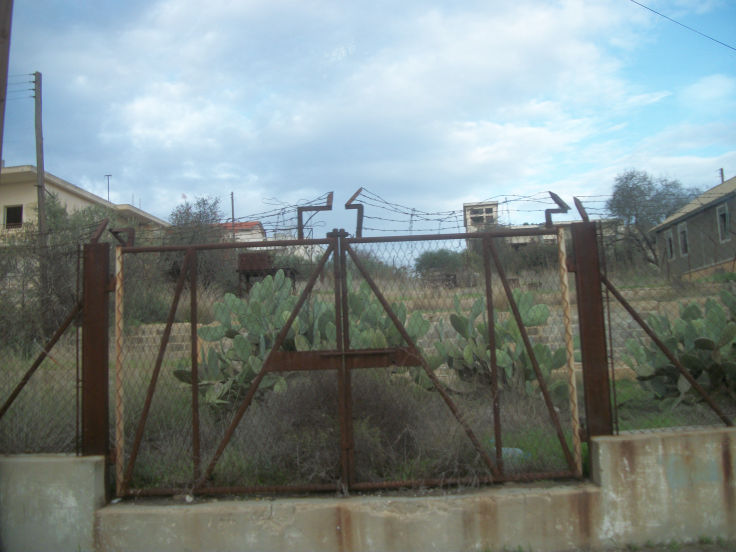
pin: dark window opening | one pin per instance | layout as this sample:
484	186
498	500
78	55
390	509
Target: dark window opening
14	216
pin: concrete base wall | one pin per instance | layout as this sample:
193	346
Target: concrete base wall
653	487
649	487
48	502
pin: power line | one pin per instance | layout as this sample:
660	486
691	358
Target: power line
683	25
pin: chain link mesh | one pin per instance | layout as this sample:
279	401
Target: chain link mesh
33	305
692	310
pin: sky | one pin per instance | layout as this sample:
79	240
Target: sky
425	104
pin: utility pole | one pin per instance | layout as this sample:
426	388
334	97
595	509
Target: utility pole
108	187
232	211
6	17
41	190
40	174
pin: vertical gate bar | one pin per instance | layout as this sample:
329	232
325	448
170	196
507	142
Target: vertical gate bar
570	351
77	360
415	350
156	369
591	322
532	357
119	391
497	432
264	368
339	274
346	377
662	347
95	349
196	457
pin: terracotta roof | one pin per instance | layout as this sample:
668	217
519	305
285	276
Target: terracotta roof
708	198
242	225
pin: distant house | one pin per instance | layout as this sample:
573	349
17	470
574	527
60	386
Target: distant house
699	238
19	200
243	231
480	216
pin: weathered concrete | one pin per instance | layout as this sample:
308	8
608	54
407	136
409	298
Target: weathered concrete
656	487
549	518
647	487
48	501
663	486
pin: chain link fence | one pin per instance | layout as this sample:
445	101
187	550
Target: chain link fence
396	416
690	309
39	384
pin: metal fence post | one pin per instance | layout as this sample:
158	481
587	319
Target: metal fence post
591	321
95	349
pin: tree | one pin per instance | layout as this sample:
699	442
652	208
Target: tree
641	202
442	260
197	222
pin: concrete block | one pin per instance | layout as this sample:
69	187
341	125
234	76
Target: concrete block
665	486
47	501
536	517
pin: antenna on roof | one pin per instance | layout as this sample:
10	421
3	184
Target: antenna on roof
108	186
722	179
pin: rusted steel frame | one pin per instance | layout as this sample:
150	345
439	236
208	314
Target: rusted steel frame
196	452
156	370
360	486
39	359
342	324
359	207
491	326
95	349
469	480
347	392
299	210
230	245
592	325
308	361
265	489
265	368
609	332
530	351
432	377
508	233
98	232
662	347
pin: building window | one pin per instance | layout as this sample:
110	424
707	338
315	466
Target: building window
13	216
682	238
723	223
669	244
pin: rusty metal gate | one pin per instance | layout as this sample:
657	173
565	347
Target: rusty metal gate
361	371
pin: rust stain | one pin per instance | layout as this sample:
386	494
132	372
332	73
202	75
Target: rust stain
343	529
628	453
728	483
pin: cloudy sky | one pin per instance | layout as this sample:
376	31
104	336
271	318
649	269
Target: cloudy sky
425	103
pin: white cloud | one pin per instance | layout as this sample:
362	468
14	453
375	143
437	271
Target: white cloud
291	99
